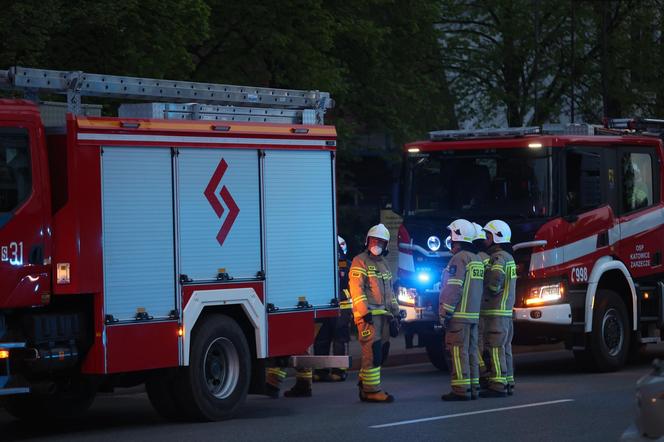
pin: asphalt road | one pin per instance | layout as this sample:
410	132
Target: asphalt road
553	402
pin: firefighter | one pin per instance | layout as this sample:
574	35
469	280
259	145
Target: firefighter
374	306
497	305
480	249
336	331
459	309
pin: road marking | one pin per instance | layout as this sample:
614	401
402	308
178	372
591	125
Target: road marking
470	413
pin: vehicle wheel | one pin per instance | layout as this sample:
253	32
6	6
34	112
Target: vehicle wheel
217	380
161	392
436	352
72	398
608	344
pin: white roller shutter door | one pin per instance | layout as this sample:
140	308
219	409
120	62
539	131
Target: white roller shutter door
137	198
299	228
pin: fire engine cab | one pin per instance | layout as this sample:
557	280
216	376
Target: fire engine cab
187	244
585	206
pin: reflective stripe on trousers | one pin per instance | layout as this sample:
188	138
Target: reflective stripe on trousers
373	338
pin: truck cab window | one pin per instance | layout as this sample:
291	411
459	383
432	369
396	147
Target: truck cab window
583	179
15	176
637	189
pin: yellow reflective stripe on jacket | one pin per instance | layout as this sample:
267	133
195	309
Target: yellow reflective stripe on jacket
448	308
378	275
464	315
495	312
379	312
360	299
356	272
454	281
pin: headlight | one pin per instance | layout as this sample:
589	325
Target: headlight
545	294
434	243
407	296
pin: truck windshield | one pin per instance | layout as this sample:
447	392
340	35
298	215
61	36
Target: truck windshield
495	183
15	176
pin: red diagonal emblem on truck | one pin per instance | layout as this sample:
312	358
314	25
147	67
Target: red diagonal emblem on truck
226	198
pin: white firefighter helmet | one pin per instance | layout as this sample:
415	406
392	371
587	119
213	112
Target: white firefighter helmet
500	230
342	244
378	231
479	232
462	230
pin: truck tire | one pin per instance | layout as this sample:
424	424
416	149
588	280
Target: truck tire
217	380
161	392
70	399
607	346
436	353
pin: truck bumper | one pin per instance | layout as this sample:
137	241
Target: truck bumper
558	314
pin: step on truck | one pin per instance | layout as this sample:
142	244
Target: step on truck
187	244
585	206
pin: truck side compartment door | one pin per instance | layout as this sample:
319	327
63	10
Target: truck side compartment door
219	214
138	232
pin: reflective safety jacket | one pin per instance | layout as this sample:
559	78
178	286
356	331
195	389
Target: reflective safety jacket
499	284
370	282
461	287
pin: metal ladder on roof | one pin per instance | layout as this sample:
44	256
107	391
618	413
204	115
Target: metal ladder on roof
188	100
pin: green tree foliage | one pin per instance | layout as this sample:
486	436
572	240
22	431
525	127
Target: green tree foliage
132	37
25	30
523	62
618	76
506	58
379	58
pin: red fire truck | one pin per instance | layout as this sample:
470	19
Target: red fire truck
585	207
187	244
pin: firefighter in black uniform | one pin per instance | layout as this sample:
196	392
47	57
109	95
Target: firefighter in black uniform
335	332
